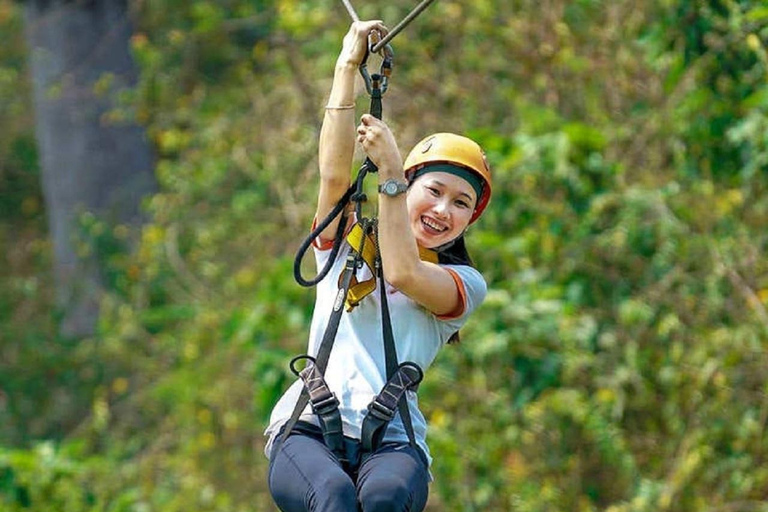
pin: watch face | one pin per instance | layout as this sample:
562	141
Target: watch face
392	187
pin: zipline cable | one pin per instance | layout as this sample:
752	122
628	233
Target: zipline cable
400	26
351	10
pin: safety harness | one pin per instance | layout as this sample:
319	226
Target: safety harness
363	241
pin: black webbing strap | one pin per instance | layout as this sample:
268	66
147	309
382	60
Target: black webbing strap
325	405
324	352
384	406
372	436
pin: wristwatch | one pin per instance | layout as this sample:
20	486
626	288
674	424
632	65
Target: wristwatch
392	187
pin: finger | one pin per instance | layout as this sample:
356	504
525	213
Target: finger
368	120
366	26
380	30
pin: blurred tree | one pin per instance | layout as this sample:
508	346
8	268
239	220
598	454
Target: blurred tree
93	158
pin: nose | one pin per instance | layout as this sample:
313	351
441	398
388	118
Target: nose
441	208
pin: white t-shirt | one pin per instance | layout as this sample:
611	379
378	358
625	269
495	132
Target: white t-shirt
356	370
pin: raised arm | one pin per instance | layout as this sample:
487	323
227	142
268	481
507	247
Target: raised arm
337	135
429	284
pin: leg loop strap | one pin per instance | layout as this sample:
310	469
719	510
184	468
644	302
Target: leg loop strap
324	404
384	406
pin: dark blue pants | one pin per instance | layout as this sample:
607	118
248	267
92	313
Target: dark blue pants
304	475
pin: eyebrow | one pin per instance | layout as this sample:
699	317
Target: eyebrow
444	185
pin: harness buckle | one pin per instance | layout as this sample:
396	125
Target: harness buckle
325	404
381	411
352	261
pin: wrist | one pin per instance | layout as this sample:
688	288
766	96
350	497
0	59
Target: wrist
393	187
391	172
344	65
343	88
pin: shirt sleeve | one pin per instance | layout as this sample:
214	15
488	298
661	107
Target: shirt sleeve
321	244
322	247
472	291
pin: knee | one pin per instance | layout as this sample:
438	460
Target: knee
334	492
300	485
392	495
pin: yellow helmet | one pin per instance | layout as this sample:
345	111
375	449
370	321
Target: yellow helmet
452	149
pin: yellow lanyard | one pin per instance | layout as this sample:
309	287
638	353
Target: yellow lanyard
361	289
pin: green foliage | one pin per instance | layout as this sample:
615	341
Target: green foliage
618	363
20	197
44	477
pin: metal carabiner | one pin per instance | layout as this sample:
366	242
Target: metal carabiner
378	81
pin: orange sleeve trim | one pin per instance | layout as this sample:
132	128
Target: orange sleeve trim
456	313
321	243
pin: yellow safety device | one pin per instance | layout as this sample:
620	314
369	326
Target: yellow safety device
453	149
358	290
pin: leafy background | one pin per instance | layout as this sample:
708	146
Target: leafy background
619	361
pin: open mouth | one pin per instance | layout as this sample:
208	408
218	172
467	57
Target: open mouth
430	226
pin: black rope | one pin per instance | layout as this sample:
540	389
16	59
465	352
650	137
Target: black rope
305	245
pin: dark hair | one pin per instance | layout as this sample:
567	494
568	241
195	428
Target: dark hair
454	253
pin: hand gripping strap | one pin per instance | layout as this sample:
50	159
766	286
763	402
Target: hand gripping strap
385	405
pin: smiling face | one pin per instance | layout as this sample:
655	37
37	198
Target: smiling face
440	206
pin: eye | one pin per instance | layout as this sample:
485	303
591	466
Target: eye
462	204
435	192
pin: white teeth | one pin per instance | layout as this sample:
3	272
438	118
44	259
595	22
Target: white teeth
432	225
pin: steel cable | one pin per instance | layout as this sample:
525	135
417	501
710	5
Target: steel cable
398	28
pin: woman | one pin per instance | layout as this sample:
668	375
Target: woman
426	203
